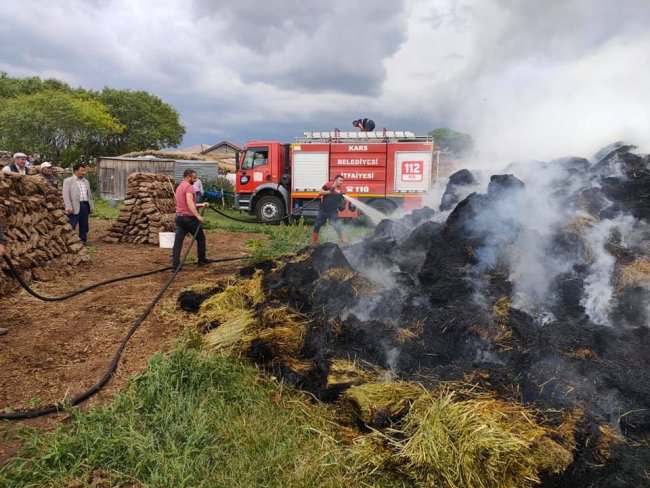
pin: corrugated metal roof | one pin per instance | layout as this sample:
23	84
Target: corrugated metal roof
205	170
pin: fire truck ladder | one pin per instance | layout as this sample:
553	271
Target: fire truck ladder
373	136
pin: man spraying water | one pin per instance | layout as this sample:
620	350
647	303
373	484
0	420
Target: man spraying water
331	199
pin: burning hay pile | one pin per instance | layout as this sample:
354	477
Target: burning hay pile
149	208
506	343
40	243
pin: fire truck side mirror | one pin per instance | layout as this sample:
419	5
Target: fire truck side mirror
238	156
285	180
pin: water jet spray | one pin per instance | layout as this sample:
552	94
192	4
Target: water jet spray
374	215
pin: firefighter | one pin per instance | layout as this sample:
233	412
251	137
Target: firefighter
364	125
331	200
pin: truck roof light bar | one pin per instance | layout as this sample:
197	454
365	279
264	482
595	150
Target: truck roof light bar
377	136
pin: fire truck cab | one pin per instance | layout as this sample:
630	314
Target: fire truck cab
384	169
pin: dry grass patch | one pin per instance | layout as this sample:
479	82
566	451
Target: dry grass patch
344	372
358	284
580	224
386	400
606	440
634	274
279	330
454	442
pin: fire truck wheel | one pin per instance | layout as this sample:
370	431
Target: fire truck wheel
269	208
384	206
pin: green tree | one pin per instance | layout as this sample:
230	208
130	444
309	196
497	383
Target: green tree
449	140
12	87
109	122
149	123
56	124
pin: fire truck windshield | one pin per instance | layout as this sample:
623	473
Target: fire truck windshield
255	156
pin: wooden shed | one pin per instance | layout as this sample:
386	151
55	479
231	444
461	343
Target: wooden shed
114	171
224	149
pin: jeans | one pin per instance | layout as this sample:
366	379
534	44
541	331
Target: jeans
82	219
333	218
187	225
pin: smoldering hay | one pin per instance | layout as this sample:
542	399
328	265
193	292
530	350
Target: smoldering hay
532	285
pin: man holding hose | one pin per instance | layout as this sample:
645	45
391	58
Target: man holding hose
188	220
331	199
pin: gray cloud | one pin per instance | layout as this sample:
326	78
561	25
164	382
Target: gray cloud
335	46
524	78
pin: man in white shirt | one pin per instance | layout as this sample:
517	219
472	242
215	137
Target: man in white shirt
198	190
19	164
78	200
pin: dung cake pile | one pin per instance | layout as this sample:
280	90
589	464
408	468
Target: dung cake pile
513	329
149	208
40	243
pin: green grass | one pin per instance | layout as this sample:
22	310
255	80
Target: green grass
283	239
192	420
104	211
213	221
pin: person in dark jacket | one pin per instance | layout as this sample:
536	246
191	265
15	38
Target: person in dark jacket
332	198
48	175
18	165
364	125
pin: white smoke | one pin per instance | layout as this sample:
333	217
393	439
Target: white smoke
599	283
521	227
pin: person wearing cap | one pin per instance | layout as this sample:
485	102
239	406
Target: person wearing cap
3	331
18	165
48	175
78	201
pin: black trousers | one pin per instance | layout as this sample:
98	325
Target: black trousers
324	217
187	225
82	219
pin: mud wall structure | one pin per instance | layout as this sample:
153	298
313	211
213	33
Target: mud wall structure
39	241
149	208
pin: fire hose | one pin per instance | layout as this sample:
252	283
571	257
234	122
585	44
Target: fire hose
297	211
58	407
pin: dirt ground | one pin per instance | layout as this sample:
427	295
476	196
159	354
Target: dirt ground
56	350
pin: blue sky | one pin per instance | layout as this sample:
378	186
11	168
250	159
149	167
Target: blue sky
527	79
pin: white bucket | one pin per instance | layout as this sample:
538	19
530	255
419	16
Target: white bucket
166	240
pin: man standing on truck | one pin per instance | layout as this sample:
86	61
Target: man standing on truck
364	125
188	220
331	199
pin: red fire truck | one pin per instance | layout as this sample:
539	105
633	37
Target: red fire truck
384	169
